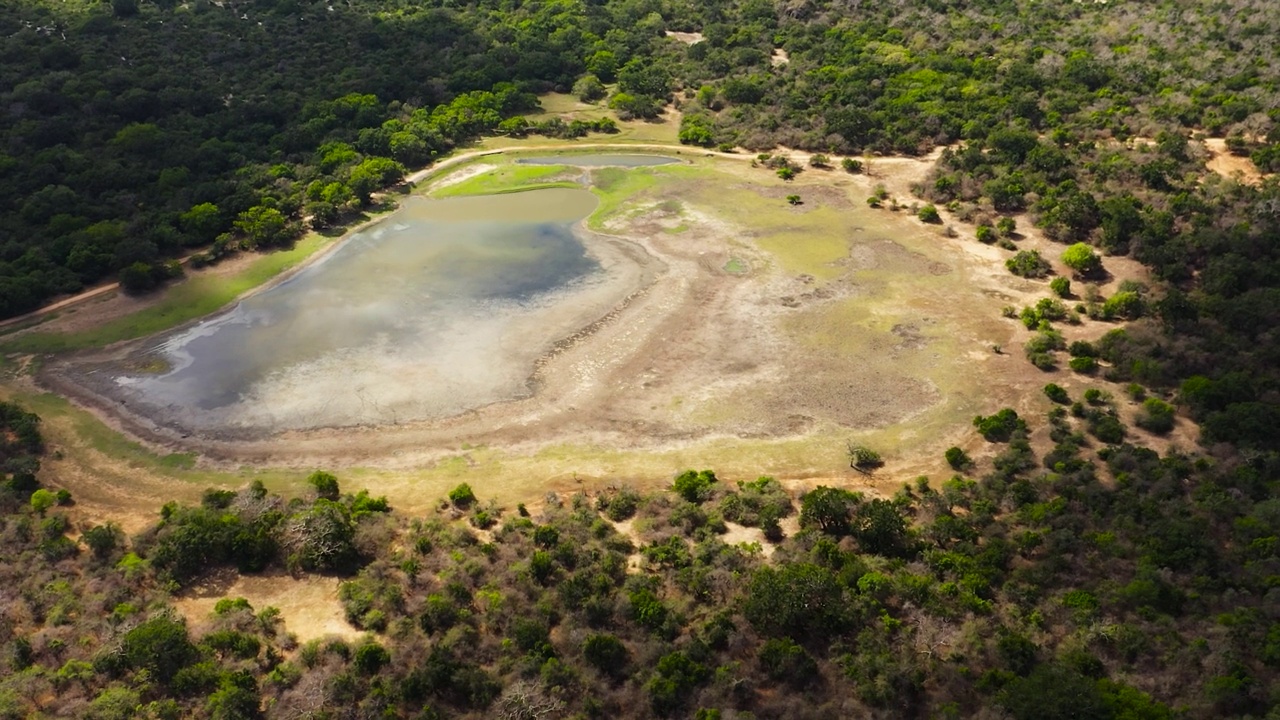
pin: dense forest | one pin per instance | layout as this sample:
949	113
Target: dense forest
1102	580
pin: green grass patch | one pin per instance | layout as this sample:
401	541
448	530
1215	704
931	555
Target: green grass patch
618	188
197	296
76	431
178	461
736	266
511	177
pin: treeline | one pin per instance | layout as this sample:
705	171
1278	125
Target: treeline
1100	581
138	132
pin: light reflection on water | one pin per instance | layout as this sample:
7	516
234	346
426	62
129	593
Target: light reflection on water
428	295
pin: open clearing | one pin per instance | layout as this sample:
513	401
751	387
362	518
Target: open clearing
777	334
308	605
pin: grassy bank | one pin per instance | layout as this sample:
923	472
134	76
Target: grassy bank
197	296
507	178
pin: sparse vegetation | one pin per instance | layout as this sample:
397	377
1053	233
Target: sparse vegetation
1028	264
1103	579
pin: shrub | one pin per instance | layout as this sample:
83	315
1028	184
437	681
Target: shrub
606	653
929	214
1060	287
325	484
1156	416
589	88
1081	258
1000	426
1082	348
757	503
1057	394
674	679
693	486
1127	305
785	661
462	496
1107	428
958	459
1028	264
863	458
620	505
1007	226
851	165
1083	365
986	234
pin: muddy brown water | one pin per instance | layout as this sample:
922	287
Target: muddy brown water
443	307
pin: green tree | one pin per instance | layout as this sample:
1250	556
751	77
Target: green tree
159	645
588	88
697	129
263	227
828	509
1028	264
462	496
1000	426
694	486
42	500
799	600
1057	394
958	459
606	653
325	484
783	660
1082	259
880	529
203	223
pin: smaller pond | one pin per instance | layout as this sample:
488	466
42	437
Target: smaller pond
629	161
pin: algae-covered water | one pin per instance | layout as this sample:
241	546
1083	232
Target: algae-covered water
442	307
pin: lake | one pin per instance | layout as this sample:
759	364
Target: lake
443	306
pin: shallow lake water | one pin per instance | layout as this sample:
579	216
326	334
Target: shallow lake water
599	160
442	307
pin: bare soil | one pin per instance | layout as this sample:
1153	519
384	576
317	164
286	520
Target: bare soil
1222	162
309	604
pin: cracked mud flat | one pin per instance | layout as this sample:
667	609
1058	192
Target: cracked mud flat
716	336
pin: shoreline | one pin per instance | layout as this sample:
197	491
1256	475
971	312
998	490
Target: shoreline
79	376
589	384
